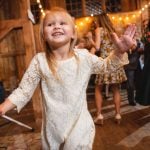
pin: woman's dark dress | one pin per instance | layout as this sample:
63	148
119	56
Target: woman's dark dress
143	96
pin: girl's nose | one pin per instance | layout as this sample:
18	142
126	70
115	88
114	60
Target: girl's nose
57	26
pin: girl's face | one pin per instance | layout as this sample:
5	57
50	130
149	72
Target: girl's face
58	29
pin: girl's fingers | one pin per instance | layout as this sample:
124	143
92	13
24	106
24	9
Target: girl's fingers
115	38
133	31
130	31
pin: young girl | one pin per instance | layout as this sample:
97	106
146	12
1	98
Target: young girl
64	74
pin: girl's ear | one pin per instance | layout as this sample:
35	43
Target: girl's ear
73	36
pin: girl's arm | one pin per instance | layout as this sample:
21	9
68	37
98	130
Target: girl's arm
21	95
110	64
118	57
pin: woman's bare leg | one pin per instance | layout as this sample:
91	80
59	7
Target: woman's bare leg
98	98
117	101
99	101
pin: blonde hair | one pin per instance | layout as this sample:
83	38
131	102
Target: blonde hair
49	53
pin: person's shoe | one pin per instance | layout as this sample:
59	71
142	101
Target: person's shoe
132	103
99	120
118	118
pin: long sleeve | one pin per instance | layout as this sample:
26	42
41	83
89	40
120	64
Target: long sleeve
107	65
27	86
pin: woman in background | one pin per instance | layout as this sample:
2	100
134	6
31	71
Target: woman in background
103	47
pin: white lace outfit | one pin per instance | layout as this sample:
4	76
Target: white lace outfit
65	115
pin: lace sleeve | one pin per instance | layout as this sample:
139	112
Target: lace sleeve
107	65
28	84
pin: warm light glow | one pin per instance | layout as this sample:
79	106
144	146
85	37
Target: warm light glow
87	19
120	18
133	16
146	6
81	23
43	14
127	18
38	1
42	10
113	17
143	9
40	6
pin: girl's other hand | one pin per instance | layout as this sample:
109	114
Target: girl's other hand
126	41
1	110
6	106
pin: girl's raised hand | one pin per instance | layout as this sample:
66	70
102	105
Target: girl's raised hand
126	41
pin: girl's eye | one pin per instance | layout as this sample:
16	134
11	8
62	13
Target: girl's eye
63	23
49	24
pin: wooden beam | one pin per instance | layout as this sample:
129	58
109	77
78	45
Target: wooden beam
138	2
103	5
7	25
12	54
58	3
125	5
83	8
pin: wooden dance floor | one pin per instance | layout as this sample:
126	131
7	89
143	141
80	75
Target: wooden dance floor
132	134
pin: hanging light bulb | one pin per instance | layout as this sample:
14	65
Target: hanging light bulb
38	1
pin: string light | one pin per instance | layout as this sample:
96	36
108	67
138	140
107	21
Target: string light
81	23
146	6
38	1
113	17
127	18
121	19
87	19
133	16
143	8
40	7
